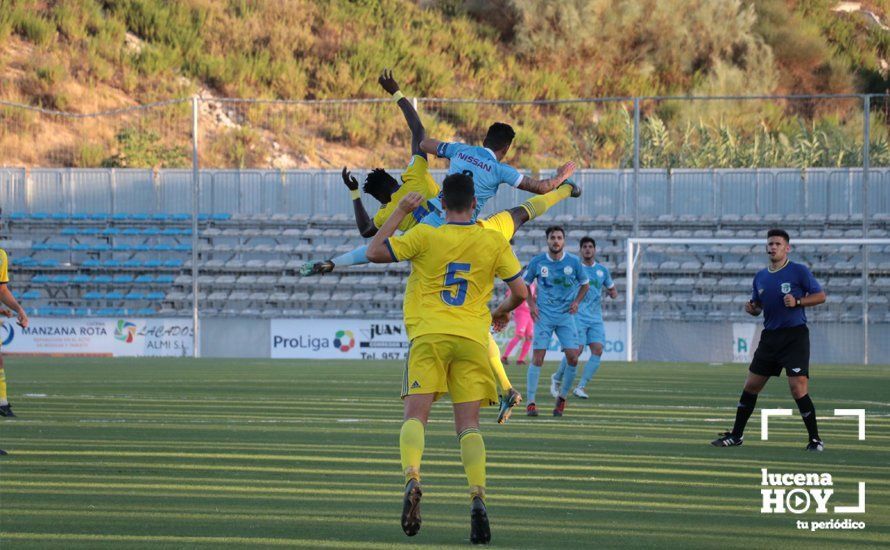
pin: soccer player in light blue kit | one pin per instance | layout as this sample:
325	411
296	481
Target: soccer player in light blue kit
562	285
589	321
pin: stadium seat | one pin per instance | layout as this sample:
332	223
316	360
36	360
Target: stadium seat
80	279
110	263
49	262
134	295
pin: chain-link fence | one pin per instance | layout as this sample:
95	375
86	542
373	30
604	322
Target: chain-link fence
227	197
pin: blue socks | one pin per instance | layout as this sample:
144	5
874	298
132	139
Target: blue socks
590	368
561	370
567	378
534	372
354	257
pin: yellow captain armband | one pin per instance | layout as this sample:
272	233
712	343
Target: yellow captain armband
355	194
397	96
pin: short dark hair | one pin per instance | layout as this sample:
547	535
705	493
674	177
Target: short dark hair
499	136
778	233
588	240
380	185
458	191
553	228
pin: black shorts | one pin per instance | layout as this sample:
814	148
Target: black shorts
783	348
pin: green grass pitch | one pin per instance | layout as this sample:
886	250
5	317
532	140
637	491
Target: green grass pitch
176	453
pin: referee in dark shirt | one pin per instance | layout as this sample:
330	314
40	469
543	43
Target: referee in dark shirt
781	292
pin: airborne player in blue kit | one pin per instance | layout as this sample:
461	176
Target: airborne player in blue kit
781	292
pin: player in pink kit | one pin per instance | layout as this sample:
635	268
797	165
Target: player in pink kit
525	329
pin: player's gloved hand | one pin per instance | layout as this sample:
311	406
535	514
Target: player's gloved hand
410	202
387	82
349	180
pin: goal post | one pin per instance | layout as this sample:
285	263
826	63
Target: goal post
693	289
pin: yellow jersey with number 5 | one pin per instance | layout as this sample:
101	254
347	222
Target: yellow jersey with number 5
453	268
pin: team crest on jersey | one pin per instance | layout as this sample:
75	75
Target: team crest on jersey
599	273
544	271
567	270
786	288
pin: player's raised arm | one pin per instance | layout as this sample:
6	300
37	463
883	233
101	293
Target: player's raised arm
546	185
362	219
379	251
418	133
430	145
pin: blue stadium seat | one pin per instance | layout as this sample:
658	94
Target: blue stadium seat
171	232
132	262
111	231
80	217
164	279
130	232
134	295
180	217
40	279
60	216
58	247
114	295
99	216
160	217
102	279
81	247
48	263
31	295
155	296
151	231
18	216
110	263
89	231
59	279
81	312
141	247
100	247
62	312
24	262
173	262
203	217
16	294
110	312
139	217
152	263
70	231
91	263
222	216
183	247
80	279
144	280
122	279
121	247
39	247
144	311
162	247
39	216
93	295
120	217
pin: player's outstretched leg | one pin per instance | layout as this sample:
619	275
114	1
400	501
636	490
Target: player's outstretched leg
497	367
508	401
353	257
744	410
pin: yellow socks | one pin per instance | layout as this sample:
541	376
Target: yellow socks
2	386
537	205
497	367
411	443
472	455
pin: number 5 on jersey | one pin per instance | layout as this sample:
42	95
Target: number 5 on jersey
456	296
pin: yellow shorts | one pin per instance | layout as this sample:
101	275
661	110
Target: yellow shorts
443	363
501	222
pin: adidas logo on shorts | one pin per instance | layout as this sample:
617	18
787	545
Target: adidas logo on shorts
415	385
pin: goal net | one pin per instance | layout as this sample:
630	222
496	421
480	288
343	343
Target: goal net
685	299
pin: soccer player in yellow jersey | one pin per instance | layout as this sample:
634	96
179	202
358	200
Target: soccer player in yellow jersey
452	278
416	178
7	299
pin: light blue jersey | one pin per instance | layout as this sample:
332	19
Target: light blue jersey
591	309
558	285
488	172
